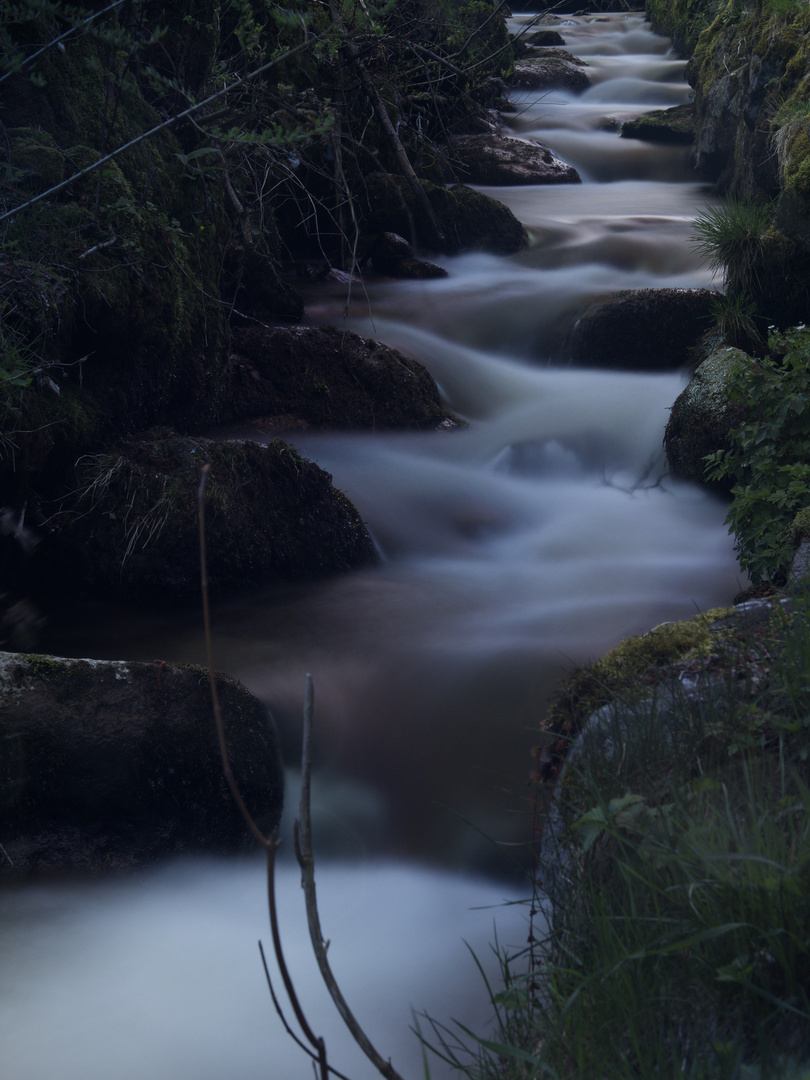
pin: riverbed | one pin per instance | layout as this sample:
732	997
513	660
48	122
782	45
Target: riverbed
533	539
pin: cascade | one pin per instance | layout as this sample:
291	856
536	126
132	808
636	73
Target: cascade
535	538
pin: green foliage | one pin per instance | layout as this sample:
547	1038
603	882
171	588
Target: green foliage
730	238
769	459
735	318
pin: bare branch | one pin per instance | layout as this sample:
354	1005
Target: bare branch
303	851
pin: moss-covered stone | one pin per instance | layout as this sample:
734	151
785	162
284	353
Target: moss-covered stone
629	672
271	516
107	765
322	377
641	329
703	415
675	126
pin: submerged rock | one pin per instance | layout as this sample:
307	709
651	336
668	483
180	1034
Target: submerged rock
271	516
110	764
703	415
642	329
498	159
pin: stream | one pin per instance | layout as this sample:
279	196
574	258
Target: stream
535	538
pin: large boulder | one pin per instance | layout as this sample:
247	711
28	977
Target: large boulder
131	524
319	376
703	415
641	329
498	159
468	219
108	764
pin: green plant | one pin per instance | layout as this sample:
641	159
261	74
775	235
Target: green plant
735	317
730	238
769	457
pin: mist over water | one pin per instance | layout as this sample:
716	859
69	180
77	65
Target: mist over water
535	538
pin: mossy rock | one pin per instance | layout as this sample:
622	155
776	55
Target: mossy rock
318	376
674	126
131	527
469	220
631	671
641	329
106	765
703	415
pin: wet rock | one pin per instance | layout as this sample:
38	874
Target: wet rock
330	378
130	529
642	329
558	72
544	37
497	159
674	126
110	764
393	256
703	415
468	219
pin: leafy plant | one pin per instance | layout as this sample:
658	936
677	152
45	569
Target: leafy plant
769	459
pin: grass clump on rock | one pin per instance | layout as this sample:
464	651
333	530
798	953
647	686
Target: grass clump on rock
271	516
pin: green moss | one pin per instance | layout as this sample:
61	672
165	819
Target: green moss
37	665
800	528
630	671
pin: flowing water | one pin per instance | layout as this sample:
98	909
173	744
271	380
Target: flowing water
536	537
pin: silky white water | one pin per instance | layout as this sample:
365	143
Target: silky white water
535	538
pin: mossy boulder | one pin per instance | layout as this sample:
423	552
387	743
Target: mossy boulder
271	515
469	220
497	159
641	329
319	376
703	415
106	765
550	72
675	126
630	671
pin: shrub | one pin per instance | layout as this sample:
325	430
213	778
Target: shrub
769	459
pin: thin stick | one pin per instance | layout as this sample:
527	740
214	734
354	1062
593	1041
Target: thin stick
303	852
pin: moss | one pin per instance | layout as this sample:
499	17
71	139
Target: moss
39	666
630	671
800	528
